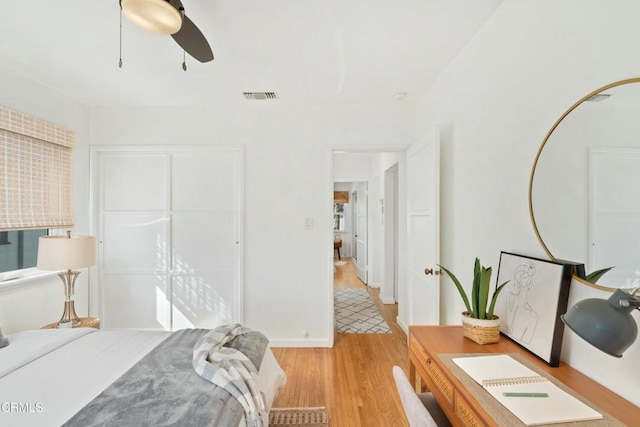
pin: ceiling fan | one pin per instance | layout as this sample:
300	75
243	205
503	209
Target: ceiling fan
168	17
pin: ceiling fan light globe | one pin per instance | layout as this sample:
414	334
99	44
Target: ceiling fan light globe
156	16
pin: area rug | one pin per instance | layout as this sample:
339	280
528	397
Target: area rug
339	263
356	313
299	417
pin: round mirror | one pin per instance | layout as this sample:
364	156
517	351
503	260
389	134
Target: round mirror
584	190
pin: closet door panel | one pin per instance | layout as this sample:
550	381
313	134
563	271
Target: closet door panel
137	242
135	182
204	180
136	301
203	301
203	241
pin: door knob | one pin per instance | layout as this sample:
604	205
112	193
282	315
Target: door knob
430	271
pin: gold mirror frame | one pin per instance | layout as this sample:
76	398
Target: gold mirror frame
537	158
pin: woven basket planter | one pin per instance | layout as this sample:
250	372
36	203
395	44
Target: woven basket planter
481	331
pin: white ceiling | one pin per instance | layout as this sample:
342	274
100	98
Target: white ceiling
307	51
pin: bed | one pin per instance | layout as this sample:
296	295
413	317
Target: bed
49	376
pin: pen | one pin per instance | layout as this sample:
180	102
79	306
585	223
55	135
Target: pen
525	394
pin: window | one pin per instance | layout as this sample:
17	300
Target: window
36	183
36	174
19	249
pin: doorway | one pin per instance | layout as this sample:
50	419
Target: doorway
403	194
364	175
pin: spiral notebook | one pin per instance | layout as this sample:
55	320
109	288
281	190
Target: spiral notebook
501	373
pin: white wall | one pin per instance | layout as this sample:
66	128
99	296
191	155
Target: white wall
494	105
288	272
39	302
349	167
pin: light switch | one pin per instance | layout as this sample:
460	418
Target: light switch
308	223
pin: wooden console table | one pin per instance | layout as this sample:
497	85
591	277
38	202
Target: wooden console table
85	322
463	408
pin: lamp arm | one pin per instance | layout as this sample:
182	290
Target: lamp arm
630	303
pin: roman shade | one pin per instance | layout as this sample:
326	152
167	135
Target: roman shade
36	173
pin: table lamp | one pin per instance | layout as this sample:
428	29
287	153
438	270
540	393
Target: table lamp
606	324
66	253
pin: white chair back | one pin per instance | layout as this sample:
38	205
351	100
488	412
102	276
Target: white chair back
415	405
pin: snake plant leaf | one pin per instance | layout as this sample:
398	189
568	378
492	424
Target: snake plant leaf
594	276
475	289
492	306
483	292
463	294
479	291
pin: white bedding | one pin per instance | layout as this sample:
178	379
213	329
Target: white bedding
48	375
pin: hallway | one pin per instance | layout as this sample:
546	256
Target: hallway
345	277
345	274
353	379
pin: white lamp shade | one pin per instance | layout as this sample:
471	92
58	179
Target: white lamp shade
66	252
157	16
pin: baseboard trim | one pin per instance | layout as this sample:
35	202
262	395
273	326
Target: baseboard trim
385	300
302	343
402	325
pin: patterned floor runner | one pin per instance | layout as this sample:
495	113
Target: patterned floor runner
356	313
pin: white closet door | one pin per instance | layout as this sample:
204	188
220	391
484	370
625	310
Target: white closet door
205	234
169	227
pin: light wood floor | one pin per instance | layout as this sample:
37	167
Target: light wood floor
353	379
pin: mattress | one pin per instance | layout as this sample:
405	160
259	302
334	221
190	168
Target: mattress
48	375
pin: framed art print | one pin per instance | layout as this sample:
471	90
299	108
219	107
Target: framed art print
531	304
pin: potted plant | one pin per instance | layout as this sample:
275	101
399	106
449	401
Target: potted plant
479	324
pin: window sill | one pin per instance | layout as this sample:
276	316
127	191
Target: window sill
16	278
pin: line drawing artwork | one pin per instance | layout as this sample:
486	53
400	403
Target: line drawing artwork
529	307
522	319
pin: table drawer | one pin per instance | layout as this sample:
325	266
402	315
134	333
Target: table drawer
441	384
464	412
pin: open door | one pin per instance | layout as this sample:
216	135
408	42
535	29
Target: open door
389	290
423	227
360	227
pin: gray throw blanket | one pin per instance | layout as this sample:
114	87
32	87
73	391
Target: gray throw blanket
163	389
230	369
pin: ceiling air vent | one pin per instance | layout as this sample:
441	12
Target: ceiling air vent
260	95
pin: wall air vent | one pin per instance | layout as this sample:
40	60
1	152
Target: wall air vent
598	97
260	95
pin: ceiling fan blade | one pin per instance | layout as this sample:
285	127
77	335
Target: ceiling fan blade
191	39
